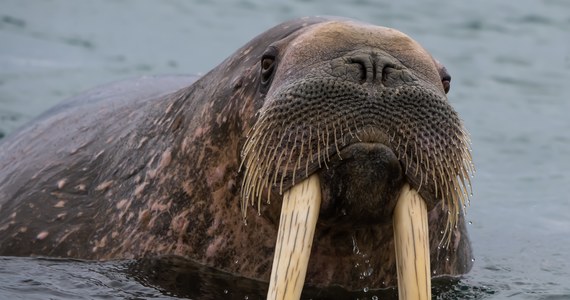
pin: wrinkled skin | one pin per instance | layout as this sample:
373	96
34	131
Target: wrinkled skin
152	167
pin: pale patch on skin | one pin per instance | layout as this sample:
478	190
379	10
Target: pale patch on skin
160	207
67	233
121	204
185	144
217	175
246	51
60	204
139	189
165	159
42	235
214	246
104	186
123	207
178	227
99	154
142	142
100	243
61	183
144	218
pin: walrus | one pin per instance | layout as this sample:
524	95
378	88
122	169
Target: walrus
353	113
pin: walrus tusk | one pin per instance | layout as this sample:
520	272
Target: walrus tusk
412	246
299	213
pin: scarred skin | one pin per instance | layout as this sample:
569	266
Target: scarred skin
151	167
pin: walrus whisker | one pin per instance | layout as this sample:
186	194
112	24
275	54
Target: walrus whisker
341	132
356	129
279	160
261	186
291	152
336	142
280	184
398	147
267	136
418	163
421	181
327	141
463	188
319	145
301	151
311	151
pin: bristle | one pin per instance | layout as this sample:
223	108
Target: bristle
435	152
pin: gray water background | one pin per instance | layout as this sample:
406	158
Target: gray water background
510	64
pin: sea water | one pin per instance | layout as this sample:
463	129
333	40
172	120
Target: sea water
510	67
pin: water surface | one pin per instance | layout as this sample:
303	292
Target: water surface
510	63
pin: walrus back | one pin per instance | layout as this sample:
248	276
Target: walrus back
42	163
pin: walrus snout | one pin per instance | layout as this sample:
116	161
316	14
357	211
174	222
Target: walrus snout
324	91
378	68
362	188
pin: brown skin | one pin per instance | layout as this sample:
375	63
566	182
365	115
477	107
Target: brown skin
158	173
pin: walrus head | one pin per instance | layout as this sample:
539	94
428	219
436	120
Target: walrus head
365	109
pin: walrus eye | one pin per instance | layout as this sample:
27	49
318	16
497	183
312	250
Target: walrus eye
446	81
267	68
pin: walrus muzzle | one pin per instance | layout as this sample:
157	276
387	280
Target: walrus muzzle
399	127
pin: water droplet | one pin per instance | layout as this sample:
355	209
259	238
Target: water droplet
470	223
365	289
473	259
447	259
434	272
355	249
246	297
225	291
236	262
374	297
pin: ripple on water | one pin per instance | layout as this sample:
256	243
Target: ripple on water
509	60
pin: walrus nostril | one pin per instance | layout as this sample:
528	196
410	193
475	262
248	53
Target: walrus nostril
372	68
366	68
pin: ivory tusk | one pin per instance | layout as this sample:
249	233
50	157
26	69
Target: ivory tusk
299	214
411	239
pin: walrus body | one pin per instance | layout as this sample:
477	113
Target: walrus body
151	167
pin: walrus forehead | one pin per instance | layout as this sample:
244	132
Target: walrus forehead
326	41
